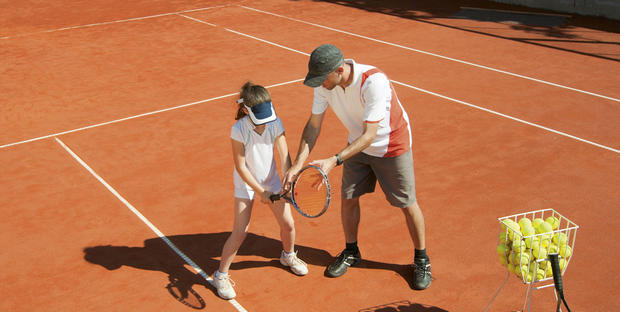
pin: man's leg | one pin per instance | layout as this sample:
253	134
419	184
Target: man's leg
421	262
350	256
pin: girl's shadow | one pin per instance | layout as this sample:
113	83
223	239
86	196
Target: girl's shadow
203	249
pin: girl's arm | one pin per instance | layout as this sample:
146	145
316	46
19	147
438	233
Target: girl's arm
282	148
239	160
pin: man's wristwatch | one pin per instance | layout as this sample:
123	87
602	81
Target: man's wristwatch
338	160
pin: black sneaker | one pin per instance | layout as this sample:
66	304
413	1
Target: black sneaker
342	263
421	274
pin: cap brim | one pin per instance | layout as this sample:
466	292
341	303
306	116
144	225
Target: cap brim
262	113
315	81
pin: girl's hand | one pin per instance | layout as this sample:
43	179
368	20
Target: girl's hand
264	197
289	177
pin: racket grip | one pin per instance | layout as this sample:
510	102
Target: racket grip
274	197
557	273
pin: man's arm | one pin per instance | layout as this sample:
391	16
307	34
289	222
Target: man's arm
306	144
361	143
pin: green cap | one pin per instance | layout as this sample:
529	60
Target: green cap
323	60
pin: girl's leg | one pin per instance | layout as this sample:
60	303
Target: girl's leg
282	211
243	211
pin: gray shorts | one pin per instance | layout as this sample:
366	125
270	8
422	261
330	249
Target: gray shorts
395	175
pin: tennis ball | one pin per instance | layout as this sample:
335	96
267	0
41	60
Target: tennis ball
522	258
502	250
503	260
540	274
544	227
562	264
553	248
511	268
555	222
530	240
539	251
548	271
560	239
518	245
511	227
503	237
566	251
528	279
525	222
536	222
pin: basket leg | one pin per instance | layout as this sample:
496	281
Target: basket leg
497	292
529	293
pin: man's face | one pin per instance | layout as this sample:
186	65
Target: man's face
332	80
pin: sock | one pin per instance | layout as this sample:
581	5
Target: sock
218	274
352	247
420	254
288	254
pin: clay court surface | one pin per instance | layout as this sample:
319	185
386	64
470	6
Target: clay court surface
115	145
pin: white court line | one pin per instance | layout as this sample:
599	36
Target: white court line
136	116
114	22
133	209
435	55
454	100
509	117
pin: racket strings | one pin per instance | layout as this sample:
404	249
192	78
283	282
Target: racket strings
311	192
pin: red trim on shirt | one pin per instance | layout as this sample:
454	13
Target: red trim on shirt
399	140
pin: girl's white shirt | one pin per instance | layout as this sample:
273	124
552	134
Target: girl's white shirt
259	155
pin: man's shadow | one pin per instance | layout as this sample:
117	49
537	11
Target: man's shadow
205	250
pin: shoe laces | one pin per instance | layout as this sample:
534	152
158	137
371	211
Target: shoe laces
226	278
292	259
422	269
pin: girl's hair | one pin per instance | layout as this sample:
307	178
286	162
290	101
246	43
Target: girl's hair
251	95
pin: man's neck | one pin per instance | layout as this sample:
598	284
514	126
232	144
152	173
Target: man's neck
347	75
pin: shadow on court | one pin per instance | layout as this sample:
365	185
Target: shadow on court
403	306
526	21
205	250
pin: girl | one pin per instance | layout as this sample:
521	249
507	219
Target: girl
253	137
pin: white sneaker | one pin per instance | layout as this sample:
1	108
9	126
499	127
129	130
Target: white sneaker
224	287
297	265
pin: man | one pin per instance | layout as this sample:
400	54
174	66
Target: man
379	149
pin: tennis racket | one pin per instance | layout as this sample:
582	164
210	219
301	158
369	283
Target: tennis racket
185	295
310	192
557	280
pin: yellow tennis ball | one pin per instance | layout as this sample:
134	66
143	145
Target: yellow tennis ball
539	251
566	251
503	260
555	222
511	268
536	222
502	250
518	245
525	222
530	240
503	237
548	272
553	248
540	274
560	239
522	258
544	227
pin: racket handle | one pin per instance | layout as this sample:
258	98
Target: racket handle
557	274
274	197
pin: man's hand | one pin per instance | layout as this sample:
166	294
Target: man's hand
326	164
